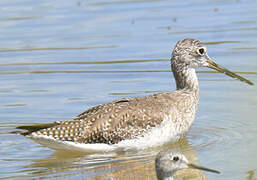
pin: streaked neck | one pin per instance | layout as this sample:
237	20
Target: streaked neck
186	79
164	176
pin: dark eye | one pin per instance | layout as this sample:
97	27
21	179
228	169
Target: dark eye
201	51
175	158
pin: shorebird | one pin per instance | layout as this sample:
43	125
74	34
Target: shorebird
170	161
137	122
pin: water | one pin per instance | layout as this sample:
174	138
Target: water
59	58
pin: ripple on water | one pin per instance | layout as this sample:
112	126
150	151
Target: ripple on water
221	133
207	138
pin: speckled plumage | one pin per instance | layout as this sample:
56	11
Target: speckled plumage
123	119
132	118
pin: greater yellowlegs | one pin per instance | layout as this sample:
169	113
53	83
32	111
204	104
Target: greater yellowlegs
137	122
170	161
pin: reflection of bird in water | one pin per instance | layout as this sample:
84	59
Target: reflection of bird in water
136	165
168	162
136	122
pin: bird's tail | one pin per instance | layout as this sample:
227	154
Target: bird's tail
34	127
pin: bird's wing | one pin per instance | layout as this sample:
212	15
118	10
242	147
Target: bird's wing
125	119
115	121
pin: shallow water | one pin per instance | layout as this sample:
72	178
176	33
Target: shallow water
59	58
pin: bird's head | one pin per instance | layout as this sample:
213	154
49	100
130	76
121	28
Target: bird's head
191	53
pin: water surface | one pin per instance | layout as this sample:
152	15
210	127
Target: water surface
59	58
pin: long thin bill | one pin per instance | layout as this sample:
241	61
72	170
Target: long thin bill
194	166
213	65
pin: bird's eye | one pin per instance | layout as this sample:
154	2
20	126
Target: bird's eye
175	158
201	51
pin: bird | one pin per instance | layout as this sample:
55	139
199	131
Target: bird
167	162
136	122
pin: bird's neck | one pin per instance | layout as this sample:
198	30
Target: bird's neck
186	79
164	176
168	178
